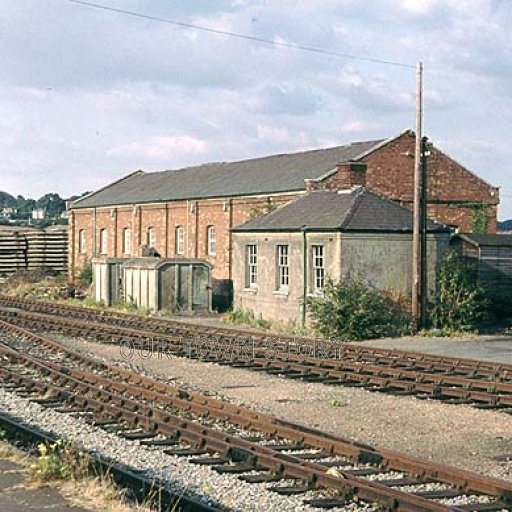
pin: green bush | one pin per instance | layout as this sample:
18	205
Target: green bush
352	311
85	275
460	303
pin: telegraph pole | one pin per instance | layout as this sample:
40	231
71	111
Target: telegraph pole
417	224
423	291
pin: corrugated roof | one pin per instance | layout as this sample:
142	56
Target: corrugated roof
266	175
490	240
354	210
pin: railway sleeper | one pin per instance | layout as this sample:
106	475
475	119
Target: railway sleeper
213	447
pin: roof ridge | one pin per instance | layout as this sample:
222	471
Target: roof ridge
274	155
383	142
359	192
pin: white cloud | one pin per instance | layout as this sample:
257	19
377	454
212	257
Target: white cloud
161	148
86	95
418	6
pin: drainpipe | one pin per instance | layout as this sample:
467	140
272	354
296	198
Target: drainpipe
304	274
94	233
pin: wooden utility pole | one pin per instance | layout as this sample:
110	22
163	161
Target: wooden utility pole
416	237
423	291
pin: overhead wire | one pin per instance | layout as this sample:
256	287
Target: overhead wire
256	39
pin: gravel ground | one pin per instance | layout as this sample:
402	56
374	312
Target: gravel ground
457	435
224	490
491	348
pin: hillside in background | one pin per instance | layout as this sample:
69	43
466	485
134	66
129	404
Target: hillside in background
19	210
505	225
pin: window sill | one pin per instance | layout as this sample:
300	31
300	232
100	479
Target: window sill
250	290
281	293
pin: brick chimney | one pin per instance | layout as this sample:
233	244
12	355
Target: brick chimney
348	175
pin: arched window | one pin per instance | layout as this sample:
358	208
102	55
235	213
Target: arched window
180	240
151	237
103	241
127	241
211	241
81	241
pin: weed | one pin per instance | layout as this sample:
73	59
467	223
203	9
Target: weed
59	461
245	317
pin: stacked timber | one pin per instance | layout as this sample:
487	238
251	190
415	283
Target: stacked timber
29	249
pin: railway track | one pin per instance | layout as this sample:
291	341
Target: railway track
145	490
329	471
187	330
453	380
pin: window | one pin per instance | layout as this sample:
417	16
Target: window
283	270
318	267
103	241
211	241
127	240
251	265
180	240
81	241
151	237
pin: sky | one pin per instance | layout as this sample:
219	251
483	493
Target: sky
88	95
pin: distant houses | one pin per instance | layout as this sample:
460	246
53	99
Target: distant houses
38	214
19	211
8	212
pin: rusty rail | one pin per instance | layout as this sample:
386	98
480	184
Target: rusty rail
121	396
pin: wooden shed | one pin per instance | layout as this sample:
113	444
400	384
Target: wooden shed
492	254
177	284
107	280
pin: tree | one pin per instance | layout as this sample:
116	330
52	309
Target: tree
52	204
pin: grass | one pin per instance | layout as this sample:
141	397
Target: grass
99	493
64	467
245	317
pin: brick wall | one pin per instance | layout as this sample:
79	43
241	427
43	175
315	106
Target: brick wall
164	218
453	192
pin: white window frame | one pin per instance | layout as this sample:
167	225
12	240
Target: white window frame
127	241
151	237
282	267
103	241
179	242
211	241
318	267
82	249
251	266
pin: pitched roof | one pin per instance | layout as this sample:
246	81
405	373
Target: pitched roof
356	209
266	175
488	240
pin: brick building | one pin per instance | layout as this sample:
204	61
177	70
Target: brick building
190	212
284	257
